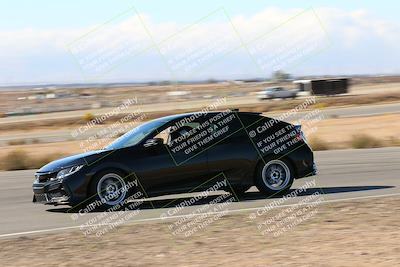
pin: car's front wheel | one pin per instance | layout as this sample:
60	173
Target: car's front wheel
274	177
109	188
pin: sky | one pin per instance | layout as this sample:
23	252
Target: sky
61	41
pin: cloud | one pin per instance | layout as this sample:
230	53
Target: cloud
358	34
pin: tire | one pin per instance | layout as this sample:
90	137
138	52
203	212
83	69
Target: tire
107	187
274	177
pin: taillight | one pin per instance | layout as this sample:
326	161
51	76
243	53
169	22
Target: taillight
300	135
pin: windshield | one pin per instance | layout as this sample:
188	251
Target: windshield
136	135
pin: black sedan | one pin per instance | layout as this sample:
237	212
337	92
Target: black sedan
182	153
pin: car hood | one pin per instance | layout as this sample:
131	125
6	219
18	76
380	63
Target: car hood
79	159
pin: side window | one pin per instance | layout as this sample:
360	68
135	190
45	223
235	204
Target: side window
163	135
184	130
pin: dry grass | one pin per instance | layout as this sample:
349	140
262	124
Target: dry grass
394	141
20	160
35	141
365	141
15	160
88	117
317	144
16	142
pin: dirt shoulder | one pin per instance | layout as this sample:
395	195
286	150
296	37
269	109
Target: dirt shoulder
338	132
357	233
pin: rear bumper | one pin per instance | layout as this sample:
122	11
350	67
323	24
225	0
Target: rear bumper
303	161
315	169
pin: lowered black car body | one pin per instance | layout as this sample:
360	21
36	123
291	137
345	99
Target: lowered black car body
246	148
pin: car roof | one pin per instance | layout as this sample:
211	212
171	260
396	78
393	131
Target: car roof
179	116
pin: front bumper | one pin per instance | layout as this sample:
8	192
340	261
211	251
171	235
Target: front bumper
51	193
71	191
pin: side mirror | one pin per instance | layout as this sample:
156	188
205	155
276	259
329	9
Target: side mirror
154	142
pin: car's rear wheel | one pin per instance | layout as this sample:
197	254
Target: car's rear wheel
110	188
274	177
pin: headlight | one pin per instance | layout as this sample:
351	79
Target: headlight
66	172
